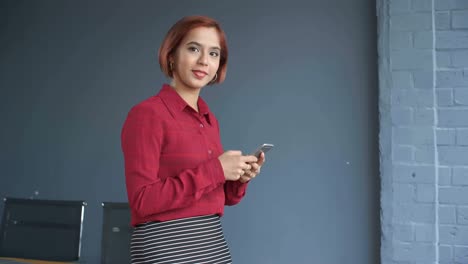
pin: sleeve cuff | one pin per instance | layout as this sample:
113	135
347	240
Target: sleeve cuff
240	188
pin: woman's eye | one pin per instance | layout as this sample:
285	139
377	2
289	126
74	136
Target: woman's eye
214	54
194	49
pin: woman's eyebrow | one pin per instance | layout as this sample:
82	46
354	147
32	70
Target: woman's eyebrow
200	45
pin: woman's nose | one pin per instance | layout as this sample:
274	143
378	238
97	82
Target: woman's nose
203	60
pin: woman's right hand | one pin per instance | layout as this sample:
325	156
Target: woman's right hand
234	164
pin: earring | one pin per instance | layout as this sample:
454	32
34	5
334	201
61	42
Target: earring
214	79
171	66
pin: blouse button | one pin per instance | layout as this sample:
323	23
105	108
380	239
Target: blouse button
201	125
209	151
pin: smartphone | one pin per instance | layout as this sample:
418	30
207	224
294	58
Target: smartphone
262	148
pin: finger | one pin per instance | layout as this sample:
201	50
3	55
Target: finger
255	166
246	167
249	174
244	179
255	171
248	177
249	159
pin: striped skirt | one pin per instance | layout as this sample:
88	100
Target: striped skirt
197	239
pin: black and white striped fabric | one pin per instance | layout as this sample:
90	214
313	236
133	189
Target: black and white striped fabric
189	240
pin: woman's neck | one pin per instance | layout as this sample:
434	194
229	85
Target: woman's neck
190	96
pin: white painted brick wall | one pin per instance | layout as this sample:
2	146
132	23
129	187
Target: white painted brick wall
442	20
446	136
451	39
414	252
447	214
460	176
411	21
445	254
445	176
444	97
460	19
453	235
460	96
452	96
411	59
453	117
462	137
424	88
459	58
450	4
422	5
452	78
423	79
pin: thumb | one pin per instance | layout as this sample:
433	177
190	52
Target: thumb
262	159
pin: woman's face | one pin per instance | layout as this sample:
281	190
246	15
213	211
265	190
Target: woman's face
196	60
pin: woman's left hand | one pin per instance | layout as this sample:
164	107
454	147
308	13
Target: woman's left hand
254	169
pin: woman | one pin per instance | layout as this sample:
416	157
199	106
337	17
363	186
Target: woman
178	178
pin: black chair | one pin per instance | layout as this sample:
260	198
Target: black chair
42	229
116	233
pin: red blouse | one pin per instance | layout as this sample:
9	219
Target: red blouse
171	160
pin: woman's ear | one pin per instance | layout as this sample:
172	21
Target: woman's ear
170	63
170	58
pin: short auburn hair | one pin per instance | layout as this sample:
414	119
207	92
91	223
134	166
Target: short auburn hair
179	30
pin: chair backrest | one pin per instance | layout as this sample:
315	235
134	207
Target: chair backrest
42	229
116	233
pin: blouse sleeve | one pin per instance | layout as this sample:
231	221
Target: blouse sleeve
234	192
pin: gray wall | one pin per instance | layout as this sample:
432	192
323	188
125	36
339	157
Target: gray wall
302	75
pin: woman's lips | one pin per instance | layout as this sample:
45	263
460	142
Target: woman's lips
199	74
